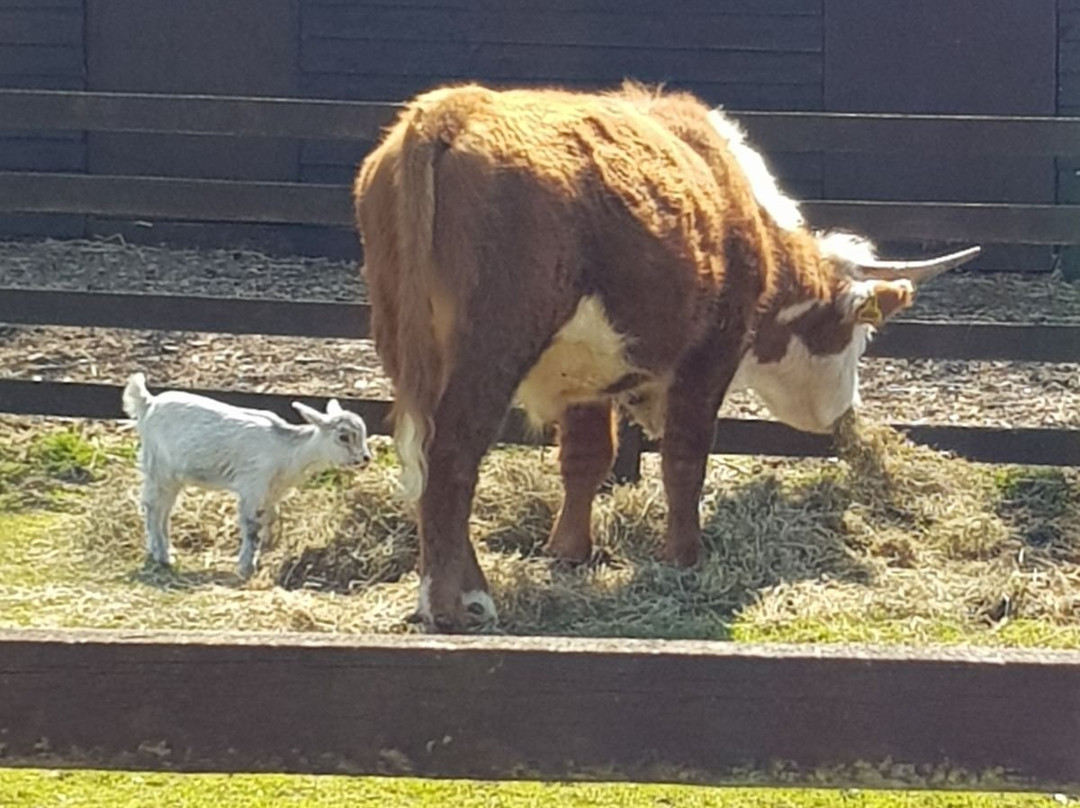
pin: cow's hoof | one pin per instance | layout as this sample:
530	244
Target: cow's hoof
568	549
683	554
448	615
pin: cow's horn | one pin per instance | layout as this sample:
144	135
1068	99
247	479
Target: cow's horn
917	271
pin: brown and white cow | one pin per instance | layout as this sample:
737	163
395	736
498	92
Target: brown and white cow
578	252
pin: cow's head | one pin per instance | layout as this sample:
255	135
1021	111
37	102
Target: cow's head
803	360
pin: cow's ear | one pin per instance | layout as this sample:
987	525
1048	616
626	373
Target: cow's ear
886	298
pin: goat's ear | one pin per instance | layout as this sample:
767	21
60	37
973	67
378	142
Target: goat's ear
309	414
333	407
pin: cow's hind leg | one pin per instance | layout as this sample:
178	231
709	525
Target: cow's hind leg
453	589
586	451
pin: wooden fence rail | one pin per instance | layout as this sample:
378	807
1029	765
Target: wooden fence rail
542	708
325	319
1029	446
360	120
331	205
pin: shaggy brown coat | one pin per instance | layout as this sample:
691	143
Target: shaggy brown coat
575	250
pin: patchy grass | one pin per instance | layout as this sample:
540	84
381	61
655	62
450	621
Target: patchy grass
31	789
44	468
894	544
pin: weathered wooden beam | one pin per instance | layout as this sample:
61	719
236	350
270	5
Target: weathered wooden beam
307	318
304	203
840	132
542	708
194	114
222	315
938	221
169	198
736	436
358	120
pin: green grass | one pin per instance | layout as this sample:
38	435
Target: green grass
37	789
1022	633
48	469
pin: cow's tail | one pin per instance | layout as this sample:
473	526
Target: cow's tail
425	306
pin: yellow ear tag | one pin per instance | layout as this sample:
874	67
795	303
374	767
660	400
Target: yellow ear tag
869	312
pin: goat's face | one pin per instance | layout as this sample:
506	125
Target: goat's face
343	434
348	436
804	358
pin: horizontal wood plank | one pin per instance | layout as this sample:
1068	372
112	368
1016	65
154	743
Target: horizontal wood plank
41	60
694	7
330	320
301	203
194	114
363	23
1052	447
1069	27
1068	62
41	27
842	132
225	315
167	198
391	89
451	60
36	83
47	154
543	708
947	222
34	225
347	120
37	5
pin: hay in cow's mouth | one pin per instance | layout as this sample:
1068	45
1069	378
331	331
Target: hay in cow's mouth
892	542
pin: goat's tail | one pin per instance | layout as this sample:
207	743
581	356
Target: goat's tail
414	309
137	399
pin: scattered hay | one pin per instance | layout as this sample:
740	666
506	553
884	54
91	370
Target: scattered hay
893	533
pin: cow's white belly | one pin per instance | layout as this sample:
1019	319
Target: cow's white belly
584	360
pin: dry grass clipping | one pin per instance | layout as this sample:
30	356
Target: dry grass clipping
892	532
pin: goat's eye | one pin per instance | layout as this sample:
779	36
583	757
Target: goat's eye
343	437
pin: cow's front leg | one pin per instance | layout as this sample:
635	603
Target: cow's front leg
689	427
586	451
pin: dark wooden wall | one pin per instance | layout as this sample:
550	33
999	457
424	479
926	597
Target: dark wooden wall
744	54
1069	104
967	57
41	47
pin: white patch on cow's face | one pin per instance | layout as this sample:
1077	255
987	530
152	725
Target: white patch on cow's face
782	208
586	357
804	390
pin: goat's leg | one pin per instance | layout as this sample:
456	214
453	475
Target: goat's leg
254	517
587	441
158	499
690	421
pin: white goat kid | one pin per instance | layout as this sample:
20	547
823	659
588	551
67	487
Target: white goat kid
186	439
